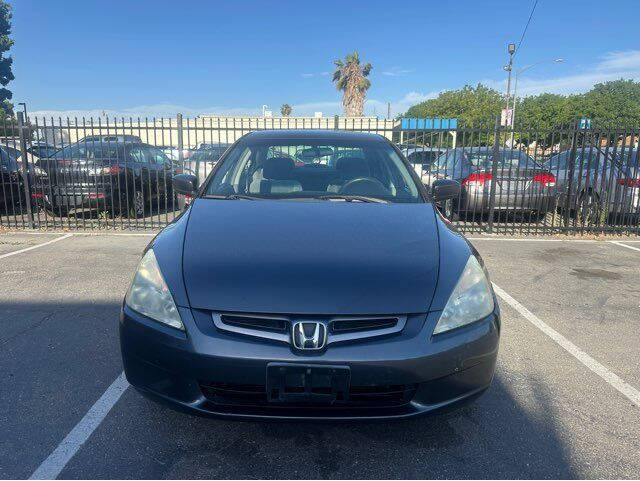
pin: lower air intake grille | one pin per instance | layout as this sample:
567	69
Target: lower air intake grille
228	394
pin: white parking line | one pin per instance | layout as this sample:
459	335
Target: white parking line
35	246
611	378
69	446
529	239
625	245
94	234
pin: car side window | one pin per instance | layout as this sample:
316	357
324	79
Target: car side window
558	162
137	154
156	156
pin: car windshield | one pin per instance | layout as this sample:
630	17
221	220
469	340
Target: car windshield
301	168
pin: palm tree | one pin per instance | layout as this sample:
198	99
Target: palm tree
349	77
285	110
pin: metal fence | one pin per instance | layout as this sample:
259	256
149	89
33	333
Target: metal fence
116	173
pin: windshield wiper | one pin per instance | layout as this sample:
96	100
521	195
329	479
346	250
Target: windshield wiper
351	198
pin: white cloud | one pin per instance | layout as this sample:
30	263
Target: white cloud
161	110
314	74
396	72
626	60
611	66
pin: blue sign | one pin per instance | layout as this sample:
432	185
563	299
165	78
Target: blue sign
428	124
585	123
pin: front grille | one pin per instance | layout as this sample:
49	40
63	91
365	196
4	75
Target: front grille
252	322
278	327
255	395
356	325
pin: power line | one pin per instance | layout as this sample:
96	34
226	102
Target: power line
535	4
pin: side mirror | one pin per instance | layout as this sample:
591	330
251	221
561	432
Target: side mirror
445	189
185	184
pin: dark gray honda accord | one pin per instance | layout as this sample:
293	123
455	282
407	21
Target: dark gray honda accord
312	277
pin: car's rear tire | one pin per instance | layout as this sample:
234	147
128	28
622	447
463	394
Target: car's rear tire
588	209
134	207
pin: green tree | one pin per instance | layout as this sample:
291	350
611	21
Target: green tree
350	78
6	75
285	110
538	115
470	105
616	101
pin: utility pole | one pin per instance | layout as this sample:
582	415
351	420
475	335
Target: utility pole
511	48
388	110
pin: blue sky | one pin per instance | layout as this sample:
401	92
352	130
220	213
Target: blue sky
154	57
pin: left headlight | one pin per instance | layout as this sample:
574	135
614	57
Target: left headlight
150	295
470	301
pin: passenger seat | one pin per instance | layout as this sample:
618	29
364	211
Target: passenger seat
277	178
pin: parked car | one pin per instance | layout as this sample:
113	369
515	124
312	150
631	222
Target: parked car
111	138
118	177
604	181
174	152
421	159
200	163
42	149
273	296
219	146
521	184
11	183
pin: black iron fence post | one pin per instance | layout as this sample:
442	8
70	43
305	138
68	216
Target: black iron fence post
23	132
494	174
570	175
336	122
180	141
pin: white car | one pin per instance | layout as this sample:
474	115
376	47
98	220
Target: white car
421	159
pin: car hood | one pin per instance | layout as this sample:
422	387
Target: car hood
297	257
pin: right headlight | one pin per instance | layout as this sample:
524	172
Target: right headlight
150	295
470	301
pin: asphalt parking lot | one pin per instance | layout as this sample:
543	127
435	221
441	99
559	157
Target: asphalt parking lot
564	402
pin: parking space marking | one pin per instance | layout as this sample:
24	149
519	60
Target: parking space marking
625	245
69	446
520	239
95	234
66	236
611	378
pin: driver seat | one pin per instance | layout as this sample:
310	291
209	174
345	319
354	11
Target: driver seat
348	168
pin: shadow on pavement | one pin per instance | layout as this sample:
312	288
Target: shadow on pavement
62	356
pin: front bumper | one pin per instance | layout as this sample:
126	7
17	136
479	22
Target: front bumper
184	370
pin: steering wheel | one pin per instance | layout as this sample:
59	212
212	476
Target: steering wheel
367	186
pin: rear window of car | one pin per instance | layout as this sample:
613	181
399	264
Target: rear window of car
422	157
83	150
506	158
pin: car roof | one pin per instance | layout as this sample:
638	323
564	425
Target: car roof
312	134
102	143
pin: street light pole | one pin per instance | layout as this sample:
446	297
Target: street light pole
511	48
515	92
